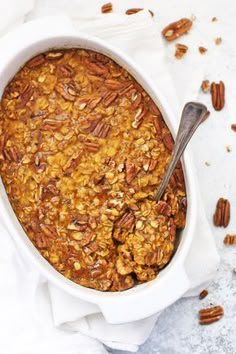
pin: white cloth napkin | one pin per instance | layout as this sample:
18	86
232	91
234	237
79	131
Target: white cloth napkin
30	307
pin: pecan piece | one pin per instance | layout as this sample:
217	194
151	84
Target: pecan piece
222	213
203	294
121	282
181	50
123	266
36	61
149	164
72	163
218	40
67	92
168	141
139	116
130	171
3	140
163	208
54	55
50	190
97	69
12	154
136	98
233	127
66	70
154	109
41	113
109	98
202	50
230	240
94	102
86	238
126	221
176	29
51	124
92	147
210	314
41	240
126	89
172	230
218	95
113	85
205	86
135	10
49	230
106	8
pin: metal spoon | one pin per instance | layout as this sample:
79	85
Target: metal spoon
192	116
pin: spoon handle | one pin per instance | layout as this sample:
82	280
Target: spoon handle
192	116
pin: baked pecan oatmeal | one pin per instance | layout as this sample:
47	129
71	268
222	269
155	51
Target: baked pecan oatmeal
82	147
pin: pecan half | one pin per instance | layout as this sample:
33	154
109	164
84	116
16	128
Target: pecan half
181	50
36	61
66	70
109	98
218	95
210	314
176	29
222	213
130	171
233	127
101	129
230	240
25	96
106	8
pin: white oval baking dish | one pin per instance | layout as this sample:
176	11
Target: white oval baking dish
142	300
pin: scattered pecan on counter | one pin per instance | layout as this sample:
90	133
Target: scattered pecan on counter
218	95
210	314
176	29
222	213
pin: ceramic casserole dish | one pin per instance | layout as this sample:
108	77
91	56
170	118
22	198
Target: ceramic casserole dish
142	300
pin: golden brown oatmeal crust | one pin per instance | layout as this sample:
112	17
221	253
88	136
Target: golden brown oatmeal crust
82	145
